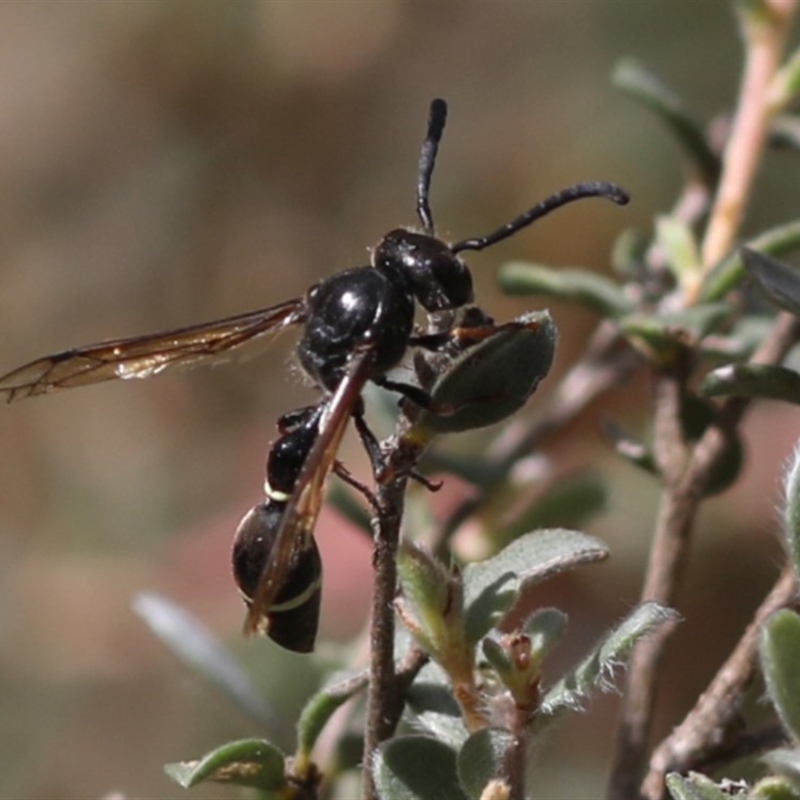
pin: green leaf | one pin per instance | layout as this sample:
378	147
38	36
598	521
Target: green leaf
570	500
416	768
491	379
630	448
431	597
196	646
785	84
633	78
729	273
481	758
663	335
697	414
784	131
628	254
779	282
249	762
696	786
680	248
490	606
595	292
533	558
545	626
475	469
753	380
435	709
345	502
779	649
572	690
786	762
321	706
791	509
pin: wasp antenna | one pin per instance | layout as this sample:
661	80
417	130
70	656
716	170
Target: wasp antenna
427	160
604	189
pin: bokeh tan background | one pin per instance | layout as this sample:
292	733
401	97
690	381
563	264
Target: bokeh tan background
162	163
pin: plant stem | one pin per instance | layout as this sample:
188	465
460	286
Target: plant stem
679	506
764	32
706	730
382	696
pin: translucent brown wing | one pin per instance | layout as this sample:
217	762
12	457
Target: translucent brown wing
143	356
302	510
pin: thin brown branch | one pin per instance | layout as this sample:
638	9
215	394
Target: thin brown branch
680	502
708	730
765	36
383	697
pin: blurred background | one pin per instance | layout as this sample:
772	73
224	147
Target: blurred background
166	163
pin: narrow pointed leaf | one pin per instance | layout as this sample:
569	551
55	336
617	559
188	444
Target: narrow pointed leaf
662	334
791	509
571	501
597	669
679	246
729	273
753	380
779	282
695	787
629	447
249	762
345	502
785	84
637	81
196	646
321	706
784	131
595	292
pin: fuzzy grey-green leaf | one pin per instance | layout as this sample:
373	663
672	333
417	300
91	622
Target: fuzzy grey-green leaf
597	668
491	379
416	768
481	759
779	650
533	557
786	762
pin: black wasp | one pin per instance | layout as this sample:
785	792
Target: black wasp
357	326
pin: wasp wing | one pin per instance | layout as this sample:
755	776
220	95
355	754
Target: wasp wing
143	356
300	516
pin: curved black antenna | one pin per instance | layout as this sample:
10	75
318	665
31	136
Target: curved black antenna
604	189
427	159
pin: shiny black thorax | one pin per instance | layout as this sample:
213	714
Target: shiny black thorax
375	305
360	306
